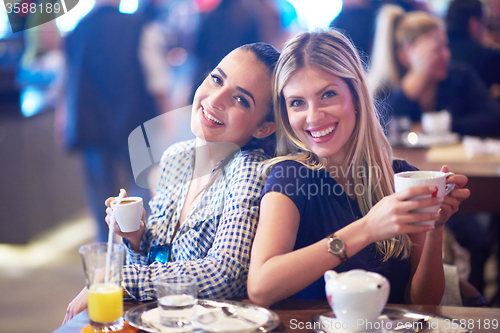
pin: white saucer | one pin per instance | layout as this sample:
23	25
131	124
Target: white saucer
213	320
216	321
152	318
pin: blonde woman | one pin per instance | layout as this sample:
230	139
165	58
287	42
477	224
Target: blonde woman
411	68
333	185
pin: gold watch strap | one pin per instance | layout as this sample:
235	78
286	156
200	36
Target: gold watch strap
341	254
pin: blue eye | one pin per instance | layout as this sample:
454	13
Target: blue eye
243	101
329	94
296	103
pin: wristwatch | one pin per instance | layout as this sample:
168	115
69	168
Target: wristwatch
337	247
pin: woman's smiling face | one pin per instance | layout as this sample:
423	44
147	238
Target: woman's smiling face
321	112
232	102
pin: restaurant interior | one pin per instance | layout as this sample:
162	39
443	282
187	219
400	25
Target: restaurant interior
44	214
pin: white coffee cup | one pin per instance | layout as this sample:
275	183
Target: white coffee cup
128	213
436	123
404	180
357	298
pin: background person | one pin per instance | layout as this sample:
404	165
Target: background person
330	140
411	69
230	25
466	26
115	80
411	66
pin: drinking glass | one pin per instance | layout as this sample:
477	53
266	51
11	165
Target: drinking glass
105	300
177	300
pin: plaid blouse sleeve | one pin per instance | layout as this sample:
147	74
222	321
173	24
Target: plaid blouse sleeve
222	273
173	164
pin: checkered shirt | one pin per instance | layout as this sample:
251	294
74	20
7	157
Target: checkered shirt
213	243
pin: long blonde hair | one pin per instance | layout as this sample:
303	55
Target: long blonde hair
332	52
395	29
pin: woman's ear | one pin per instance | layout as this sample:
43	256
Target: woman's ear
265	130
402	54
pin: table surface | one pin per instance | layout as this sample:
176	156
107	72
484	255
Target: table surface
296	316
454	157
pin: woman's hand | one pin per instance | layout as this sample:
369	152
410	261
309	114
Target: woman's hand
422	59
392	215
133	237
422	54
76	306
452	201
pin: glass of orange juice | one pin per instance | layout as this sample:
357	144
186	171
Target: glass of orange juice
104	292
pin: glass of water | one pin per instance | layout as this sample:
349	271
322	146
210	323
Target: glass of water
177	300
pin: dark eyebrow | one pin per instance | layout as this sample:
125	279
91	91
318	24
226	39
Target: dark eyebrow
247	93
222	73
239	88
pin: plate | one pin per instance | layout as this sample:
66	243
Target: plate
392	320
267	320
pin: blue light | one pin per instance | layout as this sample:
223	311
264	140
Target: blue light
31	101
5	28
68	21
128	6
314	14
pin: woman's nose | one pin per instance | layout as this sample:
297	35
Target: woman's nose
314	114
218	99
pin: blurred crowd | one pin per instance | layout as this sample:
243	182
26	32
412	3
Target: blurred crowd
191	36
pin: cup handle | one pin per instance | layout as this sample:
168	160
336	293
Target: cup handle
449	187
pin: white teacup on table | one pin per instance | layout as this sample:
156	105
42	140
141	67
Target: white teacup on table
436	123
128	213
357	298
404	180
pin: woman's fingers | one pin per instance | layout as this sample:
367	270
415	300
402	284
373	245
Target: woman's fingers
455	198
411	192
405	224
415	229
111	199
410	205
459	194
417	217
76	306
459	180
108	201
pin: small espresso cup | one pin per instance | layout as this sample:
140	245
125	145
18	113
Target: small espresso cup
404	180
128	213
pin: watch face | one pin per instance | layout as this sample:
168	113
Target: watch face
336	245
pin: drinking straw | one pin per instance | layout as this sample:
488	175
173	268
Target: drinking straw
110	235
